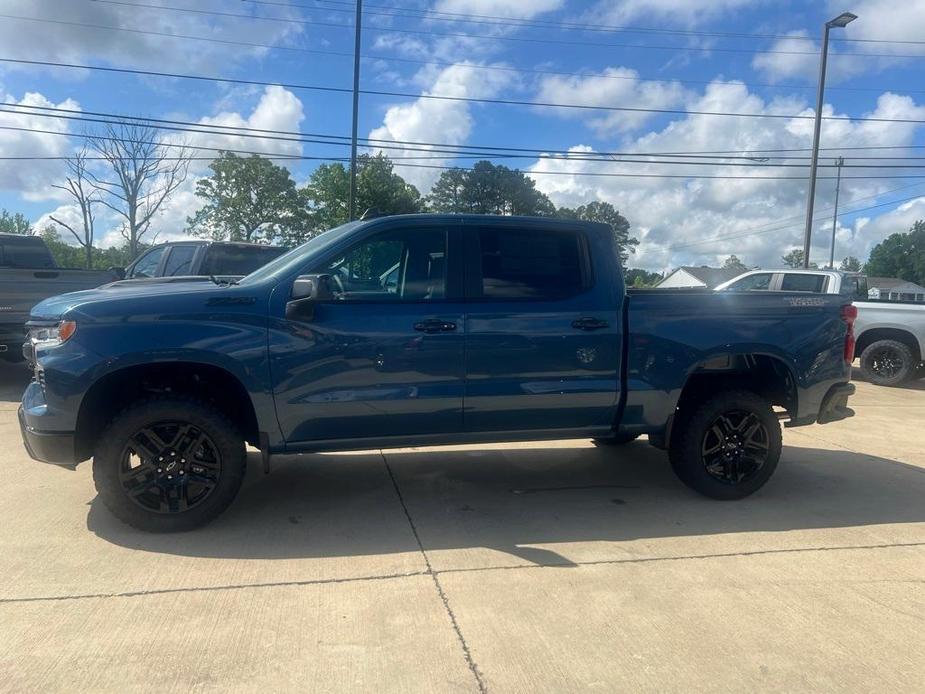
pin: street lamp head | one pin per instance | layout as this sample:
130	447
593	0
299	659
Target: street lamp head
842	20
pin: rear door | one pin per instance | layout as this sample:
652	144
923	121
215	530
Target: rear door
543	333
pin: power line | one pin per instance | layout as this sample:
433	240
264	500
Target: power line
482	100
539	23
306	22
340	140
439	63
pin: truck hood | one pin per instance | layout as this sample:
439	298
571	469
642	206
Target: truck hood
57	307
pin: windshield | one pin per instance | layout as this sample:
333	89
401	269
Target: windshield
299	254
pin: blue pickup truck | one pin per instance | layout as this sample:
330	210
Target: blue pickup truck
422	330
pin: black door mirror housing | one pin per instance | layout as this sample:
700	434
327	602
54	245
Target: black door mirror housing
118	272
306	291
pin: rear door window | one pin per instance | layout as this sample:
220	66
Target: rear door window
797	282
757	282
531	264
26	252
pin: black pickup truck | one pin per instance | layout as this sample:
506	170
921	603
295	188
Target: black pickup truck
29	274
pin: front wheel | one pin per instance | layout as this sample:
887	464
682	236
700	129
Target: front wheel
888	363
727	446
169	464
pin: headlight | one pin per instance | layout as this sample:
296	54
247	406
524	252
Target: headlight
54	335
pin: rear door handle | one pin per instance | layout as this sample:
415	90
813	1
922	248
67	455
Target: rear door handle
435	325
589	324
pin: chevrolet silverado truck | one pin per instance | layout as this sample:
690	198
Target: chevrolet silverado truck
28	274
415	331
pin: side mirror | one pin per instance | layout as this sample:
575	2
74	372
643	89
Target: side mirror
306	291
118	272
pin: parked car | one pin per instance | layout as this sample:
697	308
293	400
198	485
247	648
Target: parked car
28	274
494	329
890	334
179	260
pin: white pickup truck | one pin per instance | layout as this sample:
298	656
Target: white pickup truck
890	334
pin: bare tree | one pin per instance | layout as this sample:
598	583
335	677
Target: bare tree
144	173
80	187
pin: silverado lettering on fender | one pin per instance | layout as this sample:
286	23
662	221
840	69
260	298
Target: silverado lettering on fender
421	330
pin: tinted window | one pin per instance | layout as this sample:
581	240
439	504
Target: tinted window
407	264
147	264
803	283
761	281
180	260
26	252
530	263
237	260
854	286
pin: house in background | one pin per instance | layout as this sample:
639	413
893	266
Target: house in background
702	277
892	289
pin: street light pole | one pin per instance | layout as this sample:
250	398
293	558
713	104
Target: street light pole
841	21
838	164
352	199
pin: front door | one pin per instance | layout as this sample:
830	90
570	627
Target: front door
385	356
543	335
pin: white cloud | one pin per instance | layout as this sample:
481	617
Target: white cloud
433	120
701	221
674	12
515	9
32	178
66	35
614	86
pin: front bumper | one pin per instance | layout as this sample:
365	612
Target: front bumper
835	404
48	446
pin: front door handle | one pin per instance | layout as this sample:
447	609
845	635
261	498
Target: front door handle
589	324
435	325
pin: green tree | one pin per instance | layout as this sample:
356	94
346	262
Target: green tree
605	213
900	255
15	223
641	279
850	264
248	199
378	186
487	188
794	259
733	263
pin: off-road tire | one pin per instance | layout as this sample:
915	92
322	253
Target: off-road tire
900	365
694	429
109	458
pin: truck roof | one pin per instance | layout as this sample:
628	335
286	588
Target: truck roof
483	219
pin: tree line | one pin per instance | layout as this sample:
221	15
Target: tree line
130	171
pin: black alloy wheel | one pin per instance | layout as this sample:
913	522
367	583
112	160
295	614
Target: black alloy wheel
735	447
170	467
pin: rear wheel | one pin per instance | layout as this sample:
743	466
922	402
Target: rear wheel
728	446
888	363
170	464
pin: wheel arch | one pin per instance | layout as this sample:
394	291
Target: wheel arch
872	335
210	383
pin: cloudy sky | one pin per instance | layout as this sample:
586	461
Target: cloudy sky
661	70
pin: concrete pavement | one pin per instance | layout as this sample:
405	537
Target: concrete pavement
517	568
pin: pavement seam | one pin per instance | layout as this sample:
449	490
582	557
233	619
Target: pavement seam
467	654
206	589
436	572
683	557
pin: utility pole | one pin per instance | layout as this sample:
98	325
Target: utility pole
352	200
841	21
838	164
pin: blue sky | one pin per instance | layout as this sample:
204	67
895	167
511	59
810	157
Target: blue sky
740	56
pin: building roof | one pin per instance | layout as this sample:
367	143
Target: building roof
894	283
710	276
